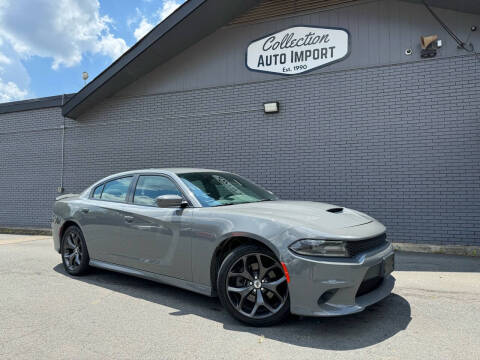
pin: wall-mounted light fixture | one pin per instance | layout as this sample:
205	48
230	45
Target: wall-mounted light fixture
271	108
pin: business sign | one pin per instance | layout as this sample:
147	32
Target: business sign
298	50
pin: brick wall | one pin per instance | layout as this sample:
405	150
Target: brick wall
30	166
399	142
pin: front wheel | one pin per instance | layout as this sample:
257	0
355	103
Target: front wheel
74	252
252	286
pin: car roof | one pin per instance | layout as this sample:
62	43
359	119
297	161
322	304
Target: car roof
184	170
167	171
173	170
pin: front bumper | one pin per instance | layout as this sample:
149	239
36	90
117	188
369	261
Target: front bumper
330	286
56	226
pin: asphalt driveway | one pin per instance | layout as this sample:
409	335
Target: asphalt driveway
434	313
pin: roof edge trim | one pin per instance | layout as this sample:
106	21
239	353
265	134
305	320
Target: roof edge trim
137	49
34	104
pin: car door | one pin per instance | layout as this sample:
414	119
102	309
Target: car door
157	239
103	220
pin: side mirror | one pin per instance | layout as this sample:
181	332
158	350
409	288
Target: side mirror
170	201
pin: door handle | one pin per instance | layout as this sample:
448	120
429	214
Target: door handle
85	211
128	219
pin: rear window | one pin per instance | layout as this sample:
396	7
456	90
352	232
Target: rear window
116	190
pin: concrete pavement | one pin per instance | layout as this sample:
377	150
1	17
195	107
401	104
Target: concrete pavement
434	313
13	239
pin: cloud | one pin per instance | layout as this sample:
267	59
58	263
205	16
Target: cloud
4	59
14	78
144	25
63	30
168	7
9	91
133	19
143	28
109	45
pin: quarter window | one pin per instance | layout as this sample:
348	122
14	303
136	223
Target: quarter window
98	192
150	187
116	190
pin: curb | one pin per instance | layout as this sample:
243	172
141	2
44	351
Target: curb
463	250
25	231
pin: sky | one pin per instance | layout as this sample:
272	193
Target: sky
46	45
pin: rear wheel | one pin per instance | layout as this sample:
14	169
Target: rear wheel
74	252
252	286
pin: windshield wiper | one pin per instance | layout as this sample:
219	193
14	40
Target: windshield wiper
245	202
238	203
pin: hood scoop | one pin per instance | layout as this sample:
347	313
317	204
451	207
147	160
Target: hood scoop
335	210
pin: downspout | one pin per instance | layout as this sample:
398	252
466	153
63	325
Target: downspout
60	188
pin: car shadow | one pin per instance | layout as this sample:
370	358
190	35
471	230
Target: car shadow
377	323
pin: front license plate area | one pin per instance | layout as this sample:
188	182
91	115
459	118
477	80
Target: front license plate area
388	265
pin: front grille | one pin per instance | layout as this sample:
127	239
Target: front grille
357	247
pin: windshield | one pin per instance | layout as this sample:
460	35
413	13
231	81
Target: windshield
217	189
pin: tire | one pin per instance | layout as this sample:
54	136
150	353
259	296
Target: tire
74	252
255	295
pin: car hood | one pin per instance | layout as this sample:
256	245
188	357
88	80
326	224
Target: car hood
314	215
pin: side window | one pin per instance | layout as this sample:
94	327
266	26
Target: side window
151	187
116	190
97	192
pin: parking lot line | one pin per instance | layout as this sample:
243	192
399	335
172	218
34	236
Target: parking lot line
6	239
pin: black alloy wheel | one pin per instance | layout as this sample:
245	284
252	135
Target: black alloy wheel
74	252
253	287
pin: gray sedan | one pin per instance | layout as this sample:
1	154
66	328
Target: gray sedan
219	234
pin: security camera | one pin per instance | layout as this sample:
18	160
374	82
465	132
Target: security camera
429	46
426	41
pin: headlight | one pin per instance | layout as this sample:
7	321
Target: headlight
313	247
